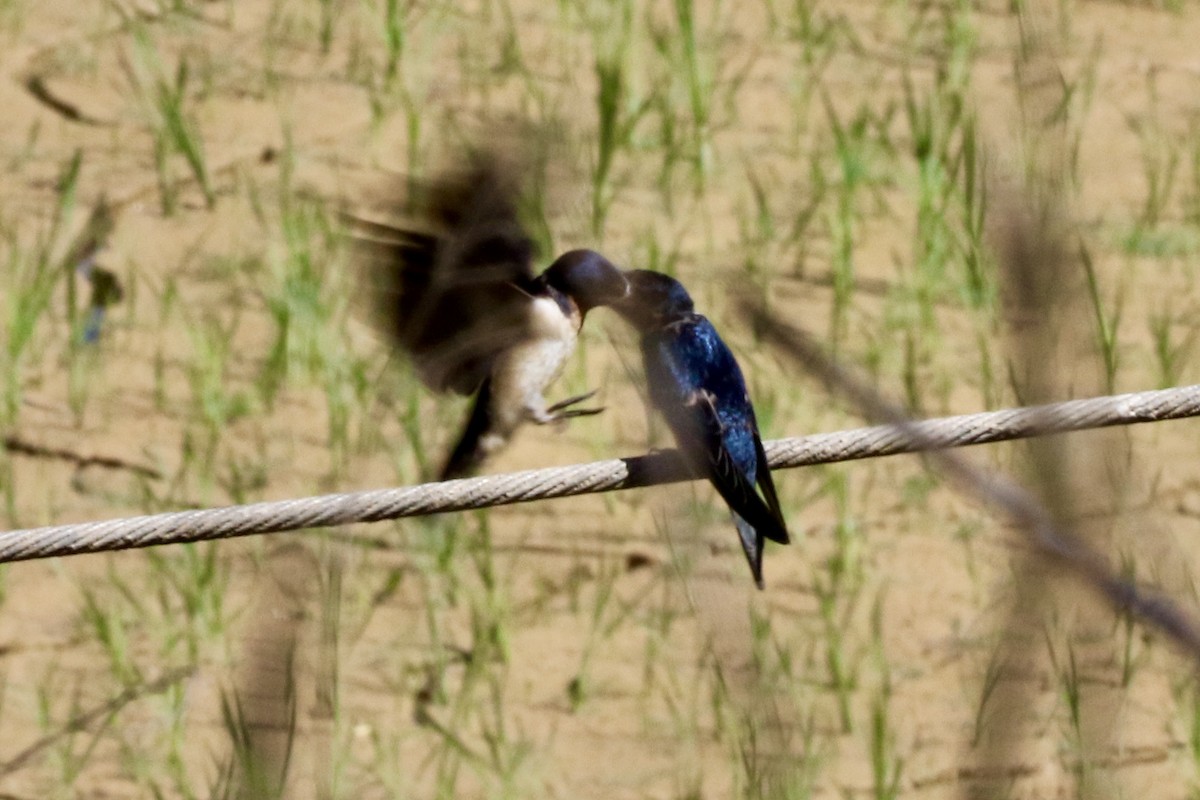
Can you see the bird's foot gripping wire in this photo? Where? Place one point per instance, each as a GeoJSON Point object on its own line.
{"type": "Point", "coordinates": [562, 409]}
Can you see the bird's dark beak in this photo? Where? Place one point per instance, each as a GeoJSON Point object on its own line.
{"type": "Point", "coordinates": [618, 292]}
{"type": "Point", "coordinates": [626, 289]}
{"type": "Point", "coordinates": [631, 305]}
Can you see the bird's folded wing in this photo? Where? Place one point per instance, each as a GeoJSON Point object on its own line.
{"type": "Point", "coordinates": [767, 484]}
{"type": "Point", "coordinates": [731, 482]}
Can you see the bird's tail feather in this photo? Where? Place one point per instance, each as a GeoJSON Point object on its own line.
{"type": "Point", "coordinates": [467, 455]}
{"type": "Point", "coordinates": [752, 545]}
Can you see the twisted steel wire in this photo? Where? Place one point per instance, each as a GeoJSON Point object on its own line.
{"type": "Point", "coordinates": [599, 476]}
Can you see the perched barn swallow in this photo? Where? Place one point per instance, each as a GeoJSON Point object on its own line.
{"type": "Point", "coordinates": [698, 387]}
{"type": "Point", "coordinates": [464, 303]}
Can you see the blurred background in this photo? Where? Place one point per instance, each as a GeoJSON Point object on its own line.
{"type": "Point", "coordinates": [181, 326]}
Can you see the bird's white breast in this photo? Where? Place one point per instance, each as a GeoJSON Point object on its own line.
{"type": "Point", "coordinates": [522, 373]}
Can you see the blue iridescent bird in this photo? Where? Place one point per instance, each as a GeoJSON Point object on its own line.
{"type": "Point", "coordinates": [462, 300]}
{"type": "Point", "coordinates": [695, 382]}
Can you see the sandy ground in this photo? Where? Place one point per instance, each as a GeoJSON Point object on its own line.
{"type": "Point", "coordinates": [908, 644]}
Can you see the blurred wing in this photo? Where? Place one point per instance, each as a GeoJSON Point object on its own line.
{"type": "Point", "coordinates": [455, 298]}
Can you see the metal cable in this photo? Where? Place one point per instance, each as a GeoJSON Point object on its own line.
{"type": "Point", "coordinates": [599, 476]}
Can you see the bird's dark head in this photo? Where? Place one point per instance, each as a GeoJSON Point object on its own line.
{"type": "Point", "coordinates": [654, 300]}
{"type": "Point", "coordinates": [588, 278]}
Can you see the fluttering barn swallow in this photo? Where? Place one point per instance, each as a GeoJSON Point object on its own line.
{"type": "Point", "coordinates": [463, 302]}
{"type": "Point", "coordinates": [82, 256]}
{"type": "Point", "coordinates": [695, 382]}
{"type": "Point", "coordinates": [106, 290]}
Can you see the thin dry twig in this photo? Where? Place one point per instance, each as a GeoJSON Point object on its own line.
{"type": "Point", "coordinates": [1051, 537]}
